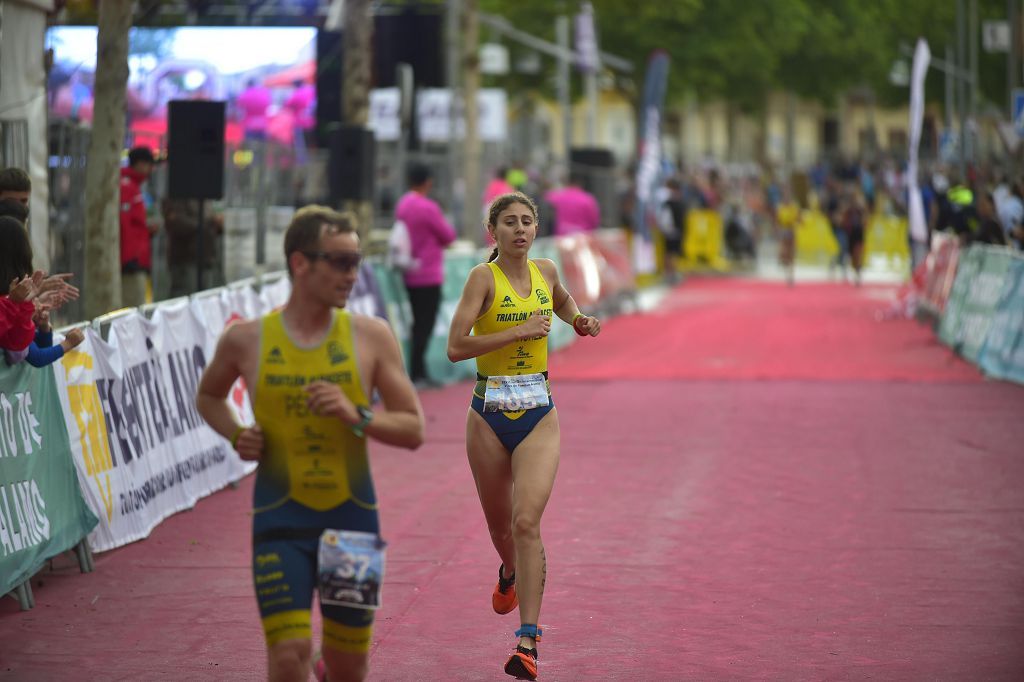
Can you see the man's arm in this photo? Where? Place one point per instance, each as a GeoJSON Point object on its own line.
{"type": "Point", "coordinates": [401, 421]}
{"type": "Point", "coordinates": [215, 385]}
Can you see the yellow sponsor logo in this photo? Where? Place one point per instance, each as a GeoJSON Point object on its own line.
{"type": "Point", "coordinates": [267, 559]}
{"type": "Point", "coordinates": [84, 401]}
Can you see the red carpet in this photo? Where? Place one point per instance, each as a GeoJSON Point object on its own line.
{"type": "Point", "coordinates": [737, 329]}
{"type": "Point", "coordinates": [700, 529]}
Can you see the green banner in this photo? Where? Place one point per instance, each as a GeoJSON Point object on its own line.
{"type": "Point", "coordinates": [42, 512]}
{"type": "Point", "coordinates": [457, 265]}
{"type": "Point", "coordinates": [396, 304]}
{"type": "Point", "coordinates": [1002, 354]}
{"type": "Point", "coordinates": [980, 280]}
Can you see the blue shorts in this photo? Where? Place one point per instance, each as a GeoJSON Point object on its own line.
{"type": "Point", "coordinates": [284, 567]}
{"type": "Point", "coordinates": [511, 428]}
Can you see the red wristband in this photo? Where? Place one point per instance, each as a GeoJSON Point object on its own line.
{"type": "Point", "coordinates": [577, 329]}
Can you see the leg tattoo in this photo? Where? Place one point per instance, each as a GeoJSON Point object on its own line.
{"type": "Point", "coordinates": [543, 569]}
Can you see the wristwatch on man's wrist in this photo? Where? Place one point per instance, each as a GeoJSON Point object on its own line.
{"type": "Point", "coordinates": [366, 416]}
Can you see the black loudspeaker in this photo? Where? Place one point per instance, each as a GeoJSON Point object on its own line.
{"type": "Point", "coordinates": [329, 55]}
{"type": "Point", "coordinates": [195, 149]}
{"type": "Point", "coordinates": [411, 35]}
{"type": "Point", "coordinates": [594, 157]}
{"type": "Point", "coordinates": [350, 165]}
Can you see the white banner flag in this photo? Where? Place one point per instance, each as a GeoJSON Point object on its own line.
{"type": "Point", "coordinates": [141, 448]}
{"type": "Point", "coordinates": [922, 57]}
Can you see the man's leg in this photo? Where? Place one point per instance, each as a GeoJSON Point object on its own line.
{"type": "Point", "coordinates": [288, 661]}
{"type": "Point", "coordinates": [345, 666]}
{"type": "Point", "coordinates": [283, 575]}
{"type": "Point", "coordinates": [133, 289]}
{"type": "Point", "coordinates": [347, 636]}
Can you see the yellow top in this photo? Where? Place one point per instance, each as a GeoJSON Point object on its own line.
{"type": "Point", "coordinates": [313, 460]}
{"type": "Point", "coordinates": [509, 309]}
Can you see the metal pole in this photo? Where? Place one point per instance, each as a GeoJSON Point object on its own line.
{"type": "Point", "coordinates": [562, 37]}
{"type": "Point", "coordinates": [1011, 56]}
{"type": "Point", "coordinates": [972, 101]}
{"type": "Point", "coordinates": [590, 79]}
{"type": "Point", "coordinates": [962, 85]}
{"type": "Point", "coordinates": [199, 249]}
{"type": "Point", "coordinates": [950, 92]}
{"type": "Point", "coordinates": [451, 37]}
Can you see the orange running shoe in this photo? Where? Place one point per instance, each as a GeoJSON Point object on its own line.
{"type": "Point", "coordinates": [504, 598]}
{"type": "Point", "coordinates": [522, 664]}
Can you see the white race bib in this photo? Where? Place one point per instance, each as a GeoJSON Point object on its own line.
{"type": "Point", "coordinates": [515, 393]}
{"type": "Point", "coordinates": [351, 568]}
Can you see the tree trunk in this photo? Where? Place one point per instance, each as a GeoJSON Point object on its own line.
{"type": "Point", "coordinates": [472, 212]}
{"type": "Point", "coordinates": [102, 282]}
{"type": "Point", "coordinates": [355, 94]}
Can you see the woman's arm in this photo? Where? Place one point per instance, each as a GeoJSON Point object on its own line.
{"type": "Point", "coordinates": [563, 303]}
{"type": "Point", "coordinates": [462, 344]}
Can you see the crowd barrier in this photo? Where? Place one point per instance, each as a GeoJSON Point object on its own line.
{"type": "Point", "coordinates": [975, 298]}
{"type": "Point", "coordinates": [99, 448]}
{"type": "Point", "coordinates": [984, 317]}
{"type": "Point", "coordinates": [885, 240]}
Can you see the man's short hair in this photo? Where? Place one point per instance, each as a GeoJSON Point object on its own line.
{"type": "Point", "coordinates": [15, 180]}
{"type": "Point", "coordinates": [309, 224]}
{"type": "Point", "coordinates": [418, 174]}
{"type": "Point", "coordinates": [140, 154]}
{"type": "Point", "coordinates": [15, 209]}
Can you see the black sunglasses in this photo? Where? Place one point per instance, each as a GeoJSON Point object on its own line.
{"type": "Point", "coordinates": [345, 261]}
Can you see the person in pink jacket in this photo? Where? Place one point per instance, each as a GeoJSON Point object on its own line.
{"type": "Point", "coordinates": [576, 209]}
{"type": "Point", "coordinates": [429, 234]}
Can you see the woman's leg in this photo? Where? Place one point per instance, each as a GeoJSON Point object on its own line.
{"type": "Point", "coordinates": [534, 464]}
{"type": "Point", "coordinates": [492, 471]}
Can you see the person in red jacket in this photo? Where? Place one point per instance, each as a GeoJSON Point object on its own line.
{"type": "Point", "coordinates": [136, 256]}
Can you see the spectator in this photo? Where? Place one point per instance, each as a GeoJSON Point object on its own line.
{"type": "Point", "coordinates": [672, 223]}
{"type": "Point", "coordinates": [429, 234]}
{"type": "Point", "coordinates": [16, 290]}
{"type": "Point", "coordinates": [853, 221]}
{"type": "Point", "coordinates": [181, 222]}
{"type": "Point", "coordinates": [24, 293]}
{"type": "Point", "coordinates": [15, 209]}
{"type": "Point", "coordinates": [302, 104]}
{"type": "Point", "coordinates": [576, 209]}
{"type": "Point", "coordinates": [252, 105]}
{"type": "Point", "coordinates": [495, 188]}
{"type": "Point", "coordinates": [15, 190]}
{"type": "Point", "coordinates": [136, 231]}
{"type": "Point", "coordinates": [42, 352]}
{"type": "Point", "coordinates": [15, 184]}
{"type": "Point", "coordinates": [988, 230]}
{"type": "Point", "coordinates": [1010, 209]}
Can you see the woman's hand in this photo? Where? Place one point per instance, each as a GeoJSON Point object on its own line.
{"type": "Point", "coordinates": [23, 289]}
{"type": "Point", "coordinates": [587, 325]}
{"type": "Point", "coordinates": [536, 326]}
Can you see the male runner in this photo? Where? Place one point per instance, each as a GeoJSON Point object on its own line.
{"type": "Point", "coordinates": [311, 369]}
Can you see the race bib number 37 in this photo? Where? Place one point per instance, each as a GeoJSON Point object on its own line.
{"type": "Point", "coordinates": [514, 393]}
{"type": "Point", "coordinates": [351, 568]}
